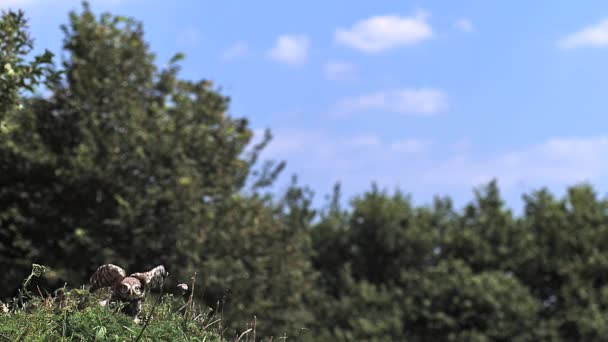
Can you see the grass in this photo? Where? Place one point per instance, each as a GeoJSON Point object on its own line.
{"type": "Point", "coordinates": [75, 315]}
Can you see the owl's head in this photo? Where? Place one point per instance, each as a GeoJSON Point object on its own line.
{"type": "Point", "coordinates": [130, 288]}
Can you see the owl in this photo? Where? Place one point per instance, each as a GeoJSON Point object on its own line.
{"type": "Point", "coordinates": [130, 290]}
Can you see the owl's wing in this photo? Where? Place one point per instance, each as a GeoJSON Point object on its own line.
{"type": "Point", "coordinates": [153, 278]}
{"type": "Point", "coordinates": [106, 275]}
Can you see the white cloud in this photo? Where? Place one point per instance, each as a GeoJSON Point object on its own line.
{"type": "Point", "coordinates": [564, 161]}
{"type": "Point", "coordinates": [110, 2]}
{"type": "Point", "coordinates": [427, 168]}
{"type": "Point", "coordinates": [237, 49]}
{"type": "Point", "coordinates": [461, 145]}
{"type": "Point", "coordinates": [338, 70]}
{"type": "Point", "coordinates": [409, 146]}
{"type": "Point", "coordinates": [320, 158]}
{"type": "Point", "coordinates": [380, 33]}
{"type": "Point", "coordinates": [331, 155]}
{"type": "Point", "coordinates": [189, 37]}
{"type": "Point", "coordinates": [290, 49]}
{"type": "Point", "coordinates": [15, 4]}
{"type": "Point", "coordinates": [591, 36]}
{"type": "Point", "coordinates": [29, 4]}
{"type": "Point", "coordinates": [464, 25]}
{"type": "Point", "coordinates": [421, 101]}
{"type": "Point", "coordinates": [368, 140]}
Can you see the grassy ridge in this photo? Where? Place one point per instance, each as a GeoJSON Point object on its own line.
{"type": "Point", "coordinates": [75, 315]}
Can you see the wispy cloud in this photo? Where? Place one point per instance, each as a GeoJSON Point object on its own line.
{"type": "Point", "coordinates": [591, 36]}
{"type": "Point", "coordinates": [291, 49]}
{"type": "Point", "coordinates": [428, 167]}
{"type": "Point", "coordinates": [561, 161]}
{"type": "Point", "coordinates": [338, 70]}
{"type": "Point", "coordinates": [337, 155]}
{"type": "Point", "coordinates": [15, 4]}
{"type": "Point", "coordinates": [366, 140]}
{"type": "Point", "coordinates": [464, 25]}
{"type": "Point", "coordinates": [237, 49]}
{"type": "Point", "coordinates": [189, 37]}
{"type": "Point", "coordinates": [110, 2]}
{"type": "Point", "coordinates": [421, 101]}
{"type": "Point", "coordinates": [380, 33]}
{"type": "Point", "coordinates": [409, 146]}
{"type": "Point", "coordinates": [355, 160]}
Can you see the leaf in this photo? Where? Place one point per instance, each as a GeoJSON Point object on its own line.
{"type": "Point", "coordinates": [177, 58]}
{"type": "Point", "coordinates": [100, 335]}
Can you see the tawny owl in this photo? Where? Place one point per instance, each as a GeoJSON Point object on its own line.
{"type": "Point", "coordinates": [130, 290]}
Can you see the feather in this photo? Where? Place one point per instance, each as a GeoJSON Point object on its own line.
{"type": "Point", "coordinates": [153, 278]}
{"type": "Point", "coordinates": [106, 275]}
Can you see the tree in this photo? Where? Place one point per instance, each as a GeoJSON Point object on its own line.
{"type": "Point", "coordinates": [128, 164]}
{"type": "Point", "coordinates": [400, 272]}
{"type": "Point", "coordinates": [388, 237]}
{"type": "Point", "coordinates": [123, 162]}
{"type": "Point", "coordinates": [568, 273]}
{"type": "Point", "coordinates": [17, 76]}
{"type": "Point", "coordinates": [487, 237]}
{"type": "Point", "coordinates": [450, 302]}
{"type": "Point", "coordinates": [256, 263]}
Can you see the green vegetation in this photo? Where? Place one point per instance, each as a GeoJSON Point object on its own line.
{"type": "Point", "coordinates": [74, 315]}
{"type": "Point", "coordinates": [50, 321]}
{"type": "Point", "coordinates": [124, 162]}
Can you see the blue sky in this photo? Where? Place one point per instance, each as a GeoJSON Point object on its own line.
{"type": "Point", "coordinates": [433, 97]}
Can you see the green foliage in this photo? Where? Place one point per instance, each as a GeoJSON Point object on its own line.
{"type": "Point", "coordinates": [258, 264]}
{"type": "Point", "coordinates": [391, 271]}
{"type": "Point", "coordinates": [78, 315]}
{"type": "Point", "coordinates": [449, 300]}
{"type": "Point", "coordinates": [17, 74]}
{"type": "Point", "coordinates": [75, 316]}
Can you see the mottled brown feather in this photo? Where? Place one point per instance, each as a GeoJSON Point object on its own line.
{"type": "Point", "coordinates": [153, 278]}
{"type": "Point", "coordinates": [107, 275]}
